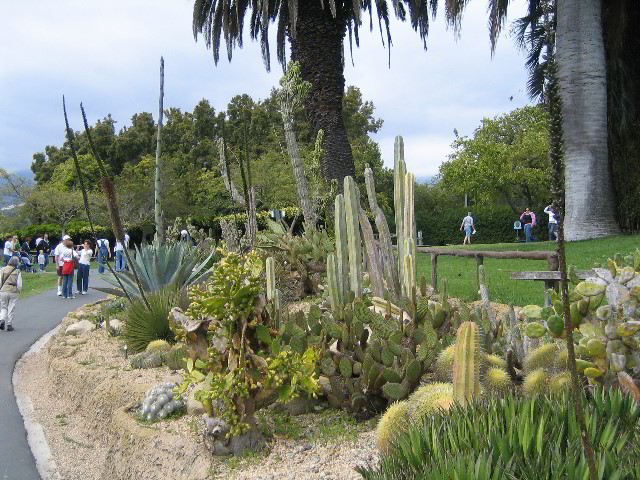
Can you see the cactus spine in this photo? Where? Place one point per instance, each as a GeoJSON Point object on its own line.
{"type": "Point", "coordinates": [467, 359]}
{"type": "Point", "coordinates": [342, 249]}
{"type": "Point", "coordinates": [399, 171]}
{"type": "Point", "coordinates": [352, 210]}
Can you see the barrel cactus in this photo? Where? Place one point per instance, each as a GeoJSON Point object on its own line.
{"type": "Point", "coordinates": [160, 402]}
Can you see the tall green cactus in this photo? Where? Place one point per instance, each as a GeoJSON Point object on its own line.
{"type": "Point", "coordinates": [399, 171]}
{"type": "Point", "coordinates": [342, 249]}
{"type": "Point", "coordinates": [409, 222]}
{"type": "Point", "coordinates": [271, 279]}
{"type": "Point", "coordinates": [352, 210]}
{"type": "Point", "coordinates": [467, 360]}
{"type": "Point", "coordinates": [332, 284]}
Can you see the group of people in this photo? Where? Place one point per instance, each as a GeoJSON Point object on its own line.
{"type": "Point", "coordinates": [13, 248]}
{"type": "Point", "coordinates": [69, 258]}
{"type": "Point", "coordinates": [527, 219]}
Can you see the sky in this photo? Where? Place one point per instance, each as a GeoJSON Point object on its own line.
{"type": "Point", "coordinates": [106, 55]}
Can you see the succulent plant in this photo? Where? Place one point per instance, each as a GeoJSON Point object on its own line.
{"type": "Point", "coordinates": [160, 402]}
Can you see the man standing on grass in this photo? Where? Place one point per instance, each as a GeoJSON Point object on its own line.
{"type": "Point", "coordinates": [553, 223]}
{"type": "Point", "coordinates": [8, 250]}
{"type": "Point", "coordinates": [469, 228]}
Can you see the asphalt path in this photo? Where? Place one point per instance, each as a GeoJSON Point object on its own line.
{"type": "Point", "coordinates": [34, 316]}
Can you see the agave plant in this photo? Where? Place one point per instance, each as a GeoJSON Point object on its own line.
{"type": "Point", "coordinates": [144, 325]}
{"type": "Point", "coordinates": [161, 266]}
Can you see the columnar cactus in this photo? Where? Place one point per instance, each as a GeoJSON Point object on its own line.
{"type": "Point", "coordinates": [399, 172]}
{"type": "Point", "coordinates": [342, 249]}
{"type": "Point", "coordinates": [467, 360]}
{"type": "Point", "coordinates": [409, 223]}
{"type": "Point", "coordinates": [352, 210]}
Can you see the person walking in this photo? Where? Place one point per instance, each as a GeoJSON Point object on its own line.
{"type": "Point", "coordinates": [528, 218]}
{"type": "Point", "coordinates": [67, 255]}
{"type": "Point", "coordinates": [8, 249]}
{"type": "Point", "coordinates": [469, 228]}
{"type": "Point", "coordinates": [102, 254]}
{"type": "Point", "coordinates": [10, 287]}
{"type": "Point", "coordinates": [84, 265]}
{"type": "Point", "coordinates": [119, 252]}
{"type": "Point", "coordinates": [553, 223]}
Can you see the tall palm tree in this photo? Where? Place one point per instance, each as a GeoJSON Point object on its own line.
{"type": "Point", "coordinates": [582, 77]}
{"type": "Point", "coordinates": [316, 30]}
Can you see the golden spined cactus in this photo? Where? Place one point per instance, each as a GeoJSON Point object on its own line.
{"type": "Point", "coordinates": [468, 358]}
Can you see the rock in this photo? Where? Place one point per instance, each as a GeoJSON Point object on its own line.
{"type": "Point", "coordinates": [604, 274]}
{"type": "Point", "coordinates": [298, 406]}
{"type": "Point", "coordinates": [616, 294]}
{"type": "Point", "coordinates": [79, 328]}
{"type": "Point", "coordinates": [194, 407]}
{"type": "Point", "coordinates": [115, 326]}
{"type": "Point", "coordinates": [75, 341]}
{"type": "Point", "coordinates": [324, 384]}
{"type": "Point", "coordinates": [62, 351]}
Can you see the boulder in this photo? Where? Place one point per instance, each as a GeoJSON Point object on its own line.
{"type": "Point", "coordinates": [194, 407]}
{"type": "Point", "coordinates": [79, 328]}
{"type": "Point", "coordinates": [115, 326]}
{"type": "Point", "coordinates": [62, 351]}
{"type": "Point", "coordinates": [75, 341]}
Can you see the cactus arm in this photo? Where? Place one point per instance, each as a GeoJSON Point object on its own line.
{"type": "Point", "coordinates": [271, 278]}
{"type": "Point", "coordinates": [332, 284]}
{"type": "Point", "coordinates": [409, 223]}
{"type": "Point", "coordinates": [466, 363]}
{"type": "Point", "coordinates": [375, 267]}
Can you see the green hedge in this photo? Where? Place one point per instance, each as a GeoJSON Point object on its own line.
{"type": "Point", "coordinates": [493, 225]}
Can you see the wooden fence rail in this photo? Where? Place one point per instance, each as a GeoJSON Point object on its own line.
{"type": "Point", "coordinates": [479, 255]}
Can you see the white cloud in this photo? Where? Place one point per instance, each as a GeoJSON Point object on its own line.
{"type": "Point", "coordinates": [106, 54]}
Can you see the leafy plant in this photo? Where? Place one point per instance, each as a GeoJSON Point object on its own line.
{"type": "Point", "coordinates": [246, 367]}
{"type": "Point", "coordinates": [161, 266]}
{"type": "Point", "coordinates": [144, 325]}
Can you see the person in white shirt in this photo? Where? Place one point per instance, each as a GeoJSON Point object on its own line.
{"type": "Point", "coordinates": [84, 264]}
{"type": "Point", "coordinates": [8, 250]}
{"type": "Point", "coordinates": [121, 263]}
{"type": "Point", "coordinates": [10, 287]}
{"type": "Point", "coordinates": [553, 223]}
{"type": "Point", "coordinates": [57, 252]}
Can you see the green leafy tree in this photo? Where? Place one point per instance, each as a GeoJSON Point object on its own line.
{"type": "Point", "coordinates": [506, 159]}
{"type": "Point", "coordinates": [316, 32]}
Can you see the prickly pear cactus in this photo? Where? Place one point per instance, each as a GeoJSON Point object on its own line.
{"type": "Point", "coordinates": [160, 402]}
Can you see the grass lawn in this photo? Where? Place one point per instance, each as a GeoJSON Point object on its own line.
{"type": "Point", "coordinates": [461, 272]}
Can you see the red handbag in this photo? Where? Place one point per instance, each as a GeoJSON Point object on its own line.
{"type": "Point", "coordinates": [67, 268]}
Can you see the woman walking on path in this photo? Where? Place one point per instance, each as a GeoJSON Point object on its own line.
{"type": "Point", "coordinates": [84, 264]}
{"type": "Point", "coordinates": [67, 255]}
{"type": "Point", "coordinates": [10, 287]}
{"type": "Point", "coordinates": [102, 253]}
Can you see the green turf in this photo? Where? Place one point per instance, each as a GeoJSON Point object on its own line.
{"type": "Point", "coordinates": [461, 272]}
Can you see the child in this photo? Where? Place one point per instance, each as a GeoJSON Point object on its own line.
{"type": "Point", "coordinates": [41, 260]}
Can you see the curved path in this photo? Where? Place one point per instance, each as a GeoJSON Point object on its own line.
{"type": "Point", "coordinates": [34, 316]}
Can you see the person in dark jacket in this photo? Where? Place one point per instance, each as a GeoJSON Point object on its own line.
{"type": "Point", "coordinates": [528, 219]}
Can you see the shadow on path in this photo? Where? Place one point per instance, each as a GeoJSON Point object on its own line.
{"type": "Point", "coordinates": [34, 316]}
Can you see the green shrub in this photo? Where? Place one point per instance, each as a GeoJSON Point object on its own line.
{"type": "Point", "coordinates": [143, 325]}
{"type": "Point", "coordinates": [524, 438]}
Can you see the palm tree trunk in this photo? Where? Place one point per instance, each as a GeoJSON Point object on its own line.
{"type": "Point", "coordinates": [318, 47]}
{"type": "Point", "coordinates": [590, 201]}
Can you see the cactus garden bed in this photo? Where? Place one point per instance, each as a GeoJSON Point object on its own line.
{"type": "Point", "coordinates": [86, 397]}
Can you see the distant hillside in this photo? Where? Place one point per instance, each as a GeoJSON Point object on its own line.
{"type": "Point", "coordinates": [429, 179]}
{"type": "Point", "coordinates": [26, 174]}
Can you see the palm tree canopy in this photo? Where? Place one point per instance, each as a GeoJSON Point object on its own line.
{"type": "Point", "coordinates": [218, 19]}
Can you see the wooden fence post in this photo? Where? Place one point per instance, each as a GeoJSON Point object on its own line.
{"type": "Point", "coordinates": [434, 271]}
{"type": "Point", "coordinates": [479, 261]}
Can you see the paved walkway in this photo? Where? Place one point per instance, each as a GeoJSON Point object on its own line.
{"type": "Point", "coordinates": [35, 316]}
